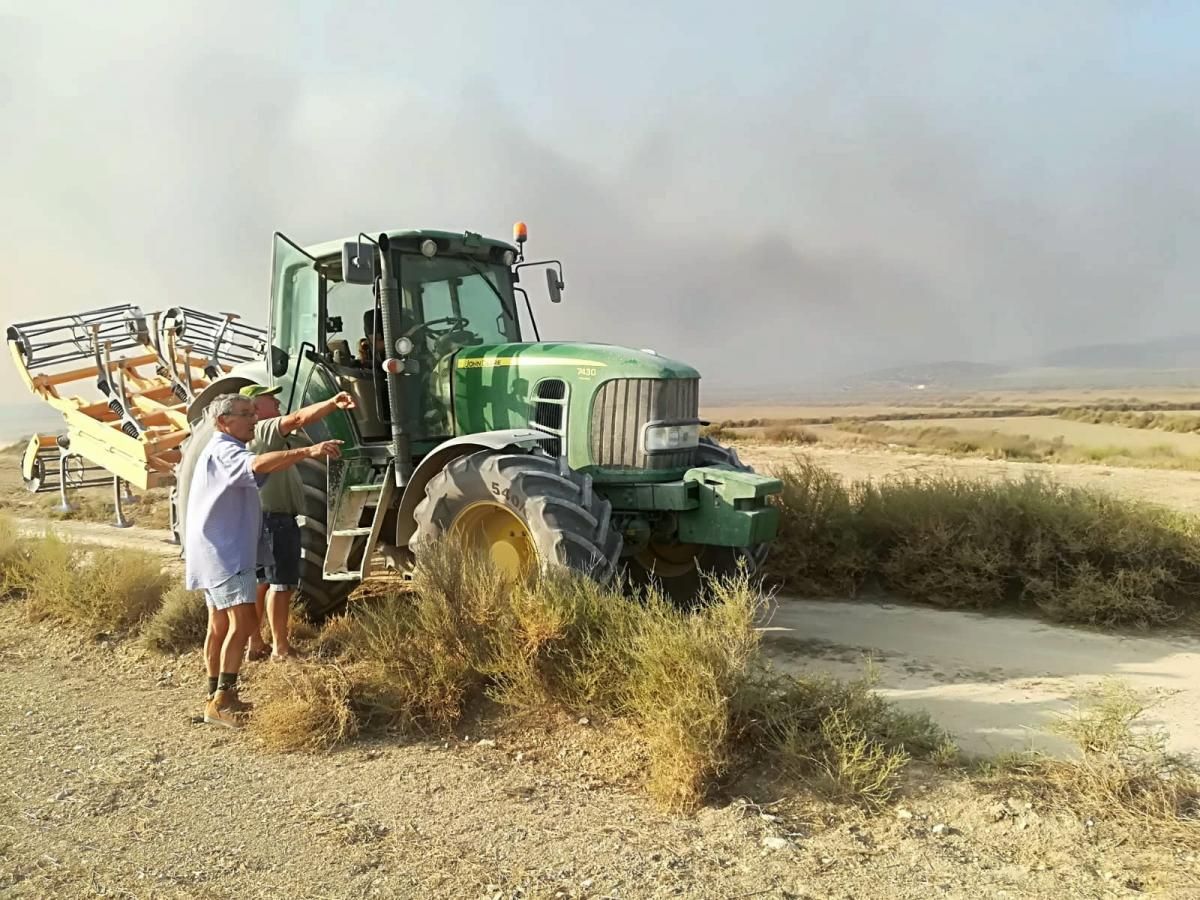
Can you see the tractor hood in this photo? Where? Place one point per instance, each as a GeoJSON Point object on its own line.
{"type": "Point", "coordinates": [593, 401]}
{"type": "Point", "coordinates": [536, 361]}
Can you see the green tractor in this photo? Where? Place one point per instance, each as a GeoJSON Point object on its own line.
{"type": "Point", "coordinates": [550, 454]}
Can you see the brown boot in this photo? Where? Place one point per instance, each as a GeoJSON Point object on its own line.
{"type": "Point", "coordinates": [226, 709]}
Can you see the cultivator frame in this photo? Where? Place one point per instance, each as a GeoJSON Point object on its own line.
{"type": "Point", "coordinates": [146, 370]}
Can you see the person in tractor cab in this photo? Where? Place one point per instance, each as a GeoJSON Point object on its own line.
{"type": "Point", "coordinates": [224, 528]}
{"type": "Point", "coordinates": [372, 331]}
{"type": "Point", "coordinates": [282, 498]}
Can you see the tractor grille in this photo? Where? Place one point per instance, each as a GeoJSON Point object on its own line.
{"type": "Point", "coordinates": [624, 405]}
{"type": "Point", "coordinates": [550, 412]}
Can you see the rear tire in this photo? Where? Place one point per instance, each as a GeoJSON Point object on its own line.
{"type": "Point", "coordinates": [557, 519]}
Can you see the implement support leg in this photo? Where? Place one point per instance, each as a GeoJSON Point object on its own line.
{"type": "Point", "coordinates": [121, 520]}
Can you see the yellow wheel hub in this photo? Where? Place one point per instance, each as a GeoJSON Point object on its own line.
{"type": "Point", "coordinates": [669, 560]}
{"type": "Point", "coordinates": [497, 532]}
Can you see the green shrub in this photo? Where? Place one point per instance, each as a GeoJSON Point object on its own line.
{"type": "Point", "coordinates": [818, 547]}
{"type": "Point", "coordinates": [1073, 554]}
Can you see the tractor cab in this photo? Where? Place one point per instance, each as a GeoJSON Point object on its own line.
{"type": "Point", "coordinates": [327, 324]}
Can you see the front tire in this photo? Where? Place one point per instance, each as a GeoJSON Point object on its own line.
{"type": "Point", "coordinates": [521, 510]}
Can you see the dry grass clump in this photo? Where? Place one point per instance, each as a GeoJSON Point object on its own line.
{"type": "Point", "coordinates": [841, 738]}
{"type": "Point", "coordinates": [789, 434]}
{"type": "Point", "coordinates": [1072, 554]}
{"type": "Point", "coordinates": [1180, 424]}
{"type": "Point", "coordinates": [99, 589]}
{"type": "Point", "coordinates": [1004, 445]}
{"type": "Point", "coordinates": [179, 624]}
{"type": "Point", "coordinates": [11, 548]}
{"type": "Point", "coordinates": [303, 708]}
{"type": "Point", "coordinates": [690, 682]}
{"type": "Point", "coordinates": [1123, 770]}
{"type": "Point", "coordinates": [960, 442]}
{"type": "Point", "coordinates": [686, 669]}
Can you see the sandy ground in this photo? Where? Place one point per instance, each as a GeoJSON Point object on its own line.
{"type": "Point", "coordinates": [995, 682]}
{"type": "Point", "coordinates": [1177, 489]}
{"type": "Point", "coordinates": [111, 789]}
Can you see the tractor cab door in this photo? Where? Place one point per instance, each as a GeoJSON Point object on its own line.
{"type": "Point", "coordinates": [297, 357]}
{"type": "Point", "coordinates": [352, 346]}
{"type": "Point", "coordinates": [293, 320]}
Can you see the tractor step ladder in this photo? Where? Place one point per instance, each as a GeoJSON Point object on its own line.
{"type": "Point", "coordinates": [354, 500]}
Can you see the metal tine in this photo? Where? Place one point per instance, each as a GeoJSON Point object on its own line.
{"type": "Point", "coordinates": [167, 366]}
{"type": "Point", "coordinates": [122, 400]}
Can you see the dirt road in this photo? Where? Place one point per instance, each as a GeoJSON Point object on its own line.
{"type": "Point", "coordinates": [995, 682]}
{"type": "Point", "coordinates": [148, 539]}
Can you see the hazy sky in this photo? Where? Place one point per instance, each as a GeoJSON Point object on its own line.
{"type": "Point", "coordinates": [767, 190]}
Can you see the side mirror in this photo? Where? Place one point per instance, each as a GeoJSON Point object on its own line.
{"type": "Point", "coordinates": [554, 286]}
{"type": "Point", "coordinates": [279, 361]}
{"type": "Point", "coordinates": [358, 263]}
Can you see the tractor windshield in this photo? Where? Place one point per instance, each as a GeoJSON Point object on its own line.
{"type": "Point", "coordinates": [451, 302]}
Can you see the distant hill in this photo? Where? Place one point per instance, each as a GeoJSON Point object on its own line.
{"type": "Point", "coordinates": [1164, 353]}
{"type": "Point", "coordinates": [956, 374]}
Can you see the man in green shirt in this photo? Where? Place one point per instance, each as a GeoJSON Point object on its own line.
{"type": "Point", "coordinates": [282, 498]}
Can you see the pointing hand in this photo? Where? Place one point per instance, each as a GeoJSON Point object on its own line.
{"type": "Point", "coordinates": [325, 450]}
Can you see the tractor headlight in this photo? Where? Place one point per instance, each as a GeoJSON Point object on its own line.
{"type": "Point", "coordinates": [509, 258]}
{"type": "Point", "coordinates": [428, 248]}
{"type": "Point", "coordinates": [664, 438]}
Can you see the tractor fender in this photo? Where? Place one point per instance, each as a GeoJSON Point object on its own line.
{"type": "Point", "coordinates": [438, 458]}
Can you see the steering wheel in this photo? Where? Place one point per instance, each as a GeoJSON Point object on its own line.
{"type": "Point", "coordinates": [449, 324]}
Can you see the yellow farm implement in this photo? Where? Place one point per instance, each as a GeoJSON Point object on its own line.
{"type": "Point", "coordinates": [126, 409]}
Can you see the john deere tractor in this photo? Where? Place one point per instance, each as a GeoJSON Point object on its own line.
{"type": "Point", "coordinates": [536, 453]}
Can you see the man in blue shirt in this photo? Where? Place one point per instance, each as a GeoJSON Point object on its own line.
{"type": "Point", "coordinates": [221, 542]}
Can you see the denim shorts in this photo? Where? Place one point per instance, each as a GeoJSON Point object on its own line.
{"type": "Point", "coordinates": [281, 567]}
{"type": "Point", "coordinates": [233, 591]}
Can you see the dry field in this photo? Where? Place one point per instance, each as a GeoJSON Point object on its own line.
{"type": "Point", "coordinates": [1077, 434]}
{"type": "Point", "coordinates": [912, 402]}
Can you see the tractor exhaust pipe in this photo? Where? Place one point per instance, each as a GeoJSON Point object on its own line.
{"type": "Point", "coordinates": [389, 302]}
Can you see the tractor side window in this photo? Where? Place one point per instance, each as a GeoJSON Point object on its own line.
{"type": "Point", "coordinates": [295, 316]}
{"type": "Point", "coordinates": [349, 315]}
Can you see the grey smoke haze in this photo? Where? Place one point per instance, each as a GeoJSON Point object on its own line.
{"type": "Point", "coordinates": [771, 191]}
